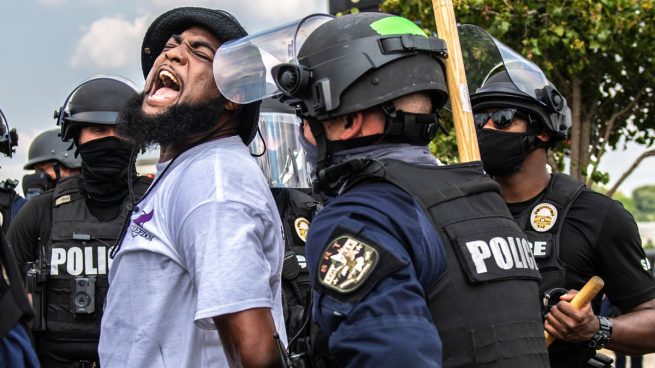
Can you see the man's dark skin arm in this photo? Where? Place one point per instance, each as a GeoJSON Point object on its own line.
{"type": "Point", "coordinates": [247, 338]}
{"type": "Point", "coordinates": [633, 332]}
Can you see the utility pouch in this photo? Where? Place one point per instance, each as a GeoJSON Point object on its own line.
{"type": "Point", "coordinates": [35, 286]}
{"type": "Point", "coordinates": [600, 361]}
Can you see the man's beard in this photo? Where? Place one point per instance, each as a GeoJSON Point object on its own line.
{"type": "Point", "coordinates": [175, 125]}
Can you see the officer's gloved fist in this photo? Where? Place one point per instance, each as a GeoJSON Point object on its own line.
{"type": "Point", "coordinates": [567, 323]}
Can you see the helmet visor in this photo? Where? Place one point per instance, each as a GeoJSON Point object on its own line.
{"type": "Point", "coordinates": [283, 162]}
{"type": "Point", "coordinates": [484, 57]}
{"type": "Point", "coordinates": [242, 68]}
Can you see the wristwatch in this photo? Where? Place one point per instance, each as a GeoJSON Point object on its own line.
{"type": "Point", "coordinates": [602, 337]}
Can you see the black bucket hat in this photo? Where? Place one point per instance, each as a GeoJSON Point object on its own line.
{"type": "Point", "coordinates": [221, 24]}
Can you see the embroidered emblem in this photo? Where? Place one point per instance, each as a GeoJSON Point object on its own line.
{"type": "Point", "coordinates": [136, 228]}
{"type": "Point", "coordinates": [62, 200]}
{"type": "Point", "coordinates": [645, 264]}
{"type": "Point", "coordinates": [346, 263]}
{"type": "Point", "coordinates": [302, 227]}
{"type": "Point", "coordinates": [2, 219]}
{"type": "Point", "coordinates": [543, 217]}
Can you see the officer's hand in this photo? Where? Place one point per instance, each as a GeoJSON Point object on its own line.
{"type": "Point", "coordinates": [567, 323]}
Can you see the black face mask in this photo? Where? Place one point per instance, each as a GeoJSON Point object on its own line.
{"type": "Point", "coordinates": [503, 152]}
{"type": "Point", "coordinates": [105, 165]}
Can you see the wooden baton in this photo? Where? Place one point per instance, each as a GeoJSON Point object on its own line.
{"type": "Point", "coordinates": [467, 140]}
{"type": "Point", "coordinates": [583, 297]}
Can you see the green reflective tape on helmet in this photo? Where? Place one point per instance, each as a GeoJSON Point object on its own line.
{"type": "Point", "coordinates": [396, 25]}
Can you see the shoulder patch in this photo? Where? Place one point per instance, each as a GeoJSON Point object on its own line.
{"type": "Point", "coordinates": [62, 200]}
{"type": "Point", "coordinates": [302, 227]}
{"type": "Point", "coordinates": [346, 263]}
{"type": "Point", "coordinates": [543, 217]}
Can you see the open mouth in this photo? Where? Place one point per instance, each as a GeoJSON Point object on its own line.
{"type": "Point", "coordinates": [166, 86]}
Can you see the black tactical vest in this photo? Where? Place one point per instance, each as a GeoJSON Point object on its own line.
{"type": "Point", "coordinates": [542, 223]}
{"type": "Point", "coordinates": [78, 256]}
{"type": "Point", "coordinates": [297, 208]}
{"type": "Point", "coordinates": [486, 305]}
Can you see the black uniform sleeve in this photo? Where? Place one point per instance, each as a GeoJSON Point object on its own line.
{"type": "Point", "coordinates": [25, 230]}
{"type": "Point", "coordinates": [621, 260]}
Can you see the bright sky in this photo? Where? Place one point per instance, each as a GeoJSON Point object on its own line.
{"type": "Point", "coordinates": [53, 45]}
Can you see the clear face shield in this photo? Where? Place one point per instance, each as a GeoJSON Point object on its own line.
{"type": "Point", "coordinates": [284, 163]}
{"type": "Point", "coordinates": [486, 58]}
{"type": "Point", "coordinates": [242, 68]}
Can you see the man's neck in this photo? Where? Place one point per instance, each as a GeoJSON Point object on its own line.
{"type": "Point", "coordinates": [531, 180]}
{"type": "Point", "coordinates": [169, 151]}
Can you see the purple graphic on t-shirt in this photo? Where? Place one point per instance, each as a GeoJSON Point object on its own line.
{"type": "Point", "coordinates": [137, 227]}
{"type": "Point", "coordinates": [144, 218]}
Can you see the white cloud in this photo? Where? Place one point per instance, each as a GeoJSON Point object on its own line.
{"type": "Point", "coordinates": [111, 42]}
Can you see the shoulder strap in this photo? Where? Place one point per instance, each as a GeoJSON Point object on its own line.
{"type": "Point", "coordinates": [563, 190]}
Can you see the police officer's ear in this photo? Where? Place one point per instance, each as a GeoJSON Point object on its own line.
{"type": "Point", "coordinates": [351, 126]}
{"type": "Point", "coordinates": [231, 106]}
{"type": "Point", "coordinates": [544, 136]}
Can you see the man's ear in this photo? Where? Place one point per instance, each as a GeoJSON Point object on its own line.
{"type": "Point", "coordinates": [231, 106]}
{"type": "Point", "coordinates": [352, 126]}
{"type": "Point", "coordinates": [544, 136]}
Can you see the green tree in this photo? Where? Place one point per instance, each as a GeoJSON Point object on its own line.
{"type": "Point", "coordinates": [644, 200]}
{"type": "Point", "coordinates": [599, 53]}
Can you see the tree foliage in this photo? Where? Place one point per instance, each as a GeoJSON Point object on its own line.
{"type": "Point", "coordinates": [599, 53]}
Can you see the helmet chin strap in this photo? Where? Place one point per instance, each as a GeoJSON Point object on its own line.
{"type": "Point", "coordinates": [400, 127]}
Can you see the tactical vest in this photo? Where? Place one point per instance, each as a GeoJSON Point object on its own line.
{"type": "Point", "coordinates": [7, 198]}
{"type": "Point", "coordinates": [542, 223]}
{"type": "Point", "coordinates": [77, 252]}
{"type": "Point", "coordinates": [486, 305]}
{"type": "Point", "coordinates": [297, 208]}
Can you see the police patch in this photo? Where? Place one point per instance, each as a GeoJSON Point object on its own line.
{"type": "Point", "coordinates": [346, 263]}
{"type": "Point", "coordinates": [63, 199]}
{"type": "Point", "coordinates": [302, 227]}
{"type": "Point", "coordinates": [543, 217]}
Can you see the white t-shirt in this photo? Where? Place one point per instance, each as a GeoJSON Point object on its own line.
{"type": "Point", "coordinates": [205, 241]}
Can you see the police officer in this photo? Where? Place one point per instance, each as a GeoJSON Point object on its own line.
{"type": "Point", "coordinates": [10, 201]}
{"type": "Point", "coordinates": [283, 160]}
{"type": "Point", "coordinates": [51, 159]}
{"type": "Point", "coordinates": [15, 346]}
{"type": "Point", "coordinates": [575, 232]}
{"type": "Point", "coordinates": [411, 264]}
{"type": "Point", "coordinates": [65, 234]}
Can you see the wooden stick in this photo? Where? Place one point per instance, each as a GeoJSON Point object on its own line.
{"type": "Point", "coordinates": [582, 298]}
{"type": "Point", "coordinates": [467, 140]}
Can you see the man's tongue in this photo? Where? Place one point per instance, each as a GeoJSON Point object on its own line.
{"type": "Point", "coordinates": [166, 93]}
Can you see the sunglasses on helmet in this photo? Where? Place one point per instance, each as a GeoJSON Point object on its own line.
{"type": "Point", "coordinates": [501, 119]}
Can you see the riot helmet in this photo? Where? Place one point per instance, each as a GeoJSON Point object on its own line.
{"type": "Point", "coordinates": [354, 63]}
{"type": "Point", "coordinates": [48, 147]}
{"type": "Point", "coordinates": [220, 23]}
{"type": "Point", "coordinates": [98, 100]}
{"type": "Point", "coordinates": [501, 77]}
{"type": "Point", "coordinates": [279, 153]}
{"type": "Point", "coordinates": [8, 137]}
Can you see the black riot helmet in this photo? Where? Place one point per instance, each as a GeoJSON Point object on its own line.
{"type": "Point", "coordinates": [48, 147]}
{"type": "Point", "coordinates": [8, 137]}
{"type": "Point", "coordinates": [362, 60]}
{"type": "Point", "coordinates": [98, 100]}
{"type": "Point", "coordinates": [501, 77]}
{"type": "Point", "coordinates": [221, 24]}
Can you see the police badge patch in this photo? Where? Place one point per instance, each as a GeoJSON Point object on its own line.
{"type": "Point", "coordinates": [346, 263]}
{"type": "Point", "coordinates": [302, 227]}
{"type": "Point", "coordinates": [543, 217]}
